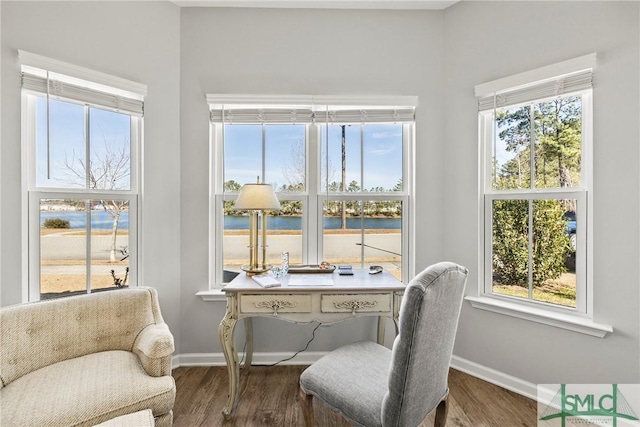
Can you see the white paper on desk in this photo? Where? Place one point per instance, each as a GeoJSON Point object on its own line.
{"type": "Point", "coordinates": [310, 281]}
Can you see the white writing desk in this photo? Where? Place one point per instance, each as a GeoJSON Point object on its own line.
{"type": "Point", "coordinates": [303, 298]}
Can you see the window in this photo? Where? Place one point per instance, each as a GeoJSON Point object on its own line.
{"type": "Point", "coordinates": [536, 140]}
{"type": "Point", "coordinates": [80, 142]}
{"type": "Point", "coordinates": [339, 172]}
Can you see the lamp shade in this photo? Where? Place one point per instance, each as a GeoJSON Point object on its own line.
{"type": "Point", "coordinates": [257, 197]}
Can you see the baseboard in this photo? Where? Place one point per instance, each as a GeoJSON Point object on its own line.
{"type": "Point", "coordinates": [217, 359]}
{"type": "Point", "coordinates": [490, 375]}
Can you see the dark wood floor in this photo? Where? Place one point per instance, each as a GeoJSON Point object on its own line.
{"type": "Point", "coordinates": [269, 397]}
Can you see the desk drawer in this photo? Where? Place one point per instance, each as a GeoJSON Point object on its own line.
{"type": "Point", "coordinates": [356, 303]}
{"type": "Point", "coordinates": [275, 303]}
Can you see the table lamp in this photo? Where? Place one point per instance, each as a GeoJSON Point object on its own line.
{"type": "Point", "coordinates": [257, 198]}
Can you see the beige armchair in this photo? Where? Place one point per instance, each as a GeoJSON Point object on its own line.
{"type": "Point", "coordinates": [83, 360]}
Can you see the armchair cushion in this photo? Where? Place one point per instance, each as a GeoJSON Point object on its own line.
{"type": "Point", "coordinates": [92, 389]}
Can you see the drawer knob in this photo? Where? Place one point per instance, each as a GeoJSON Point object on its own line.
{"type": "Point", "coordinates": [355, 305]}
{"type": "Point", "coordinates": [276, 305]}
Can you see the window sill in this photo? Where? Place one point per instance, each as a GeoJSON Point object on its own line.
{"type": "Point", "coordinates": [546, 317]}
{"type": "Point", "coordinates": [212, 295]}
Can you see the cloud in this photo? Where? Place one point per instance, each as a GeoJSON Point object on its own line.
{"type": "Point", "coordinates": [382, 151]}
{"type": "Point", "coordinates": [386, 134]}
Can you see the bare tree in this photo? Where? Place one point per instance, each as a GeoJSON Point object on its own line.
{"type": "Point", "coordinates": [295, 170]}
{"type": "Point", "coordinates": [109, 169]}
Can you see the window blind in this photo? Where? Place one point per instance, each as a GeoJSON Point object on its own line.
{"type": "Point", "coordinates": [65, 90]}
{"type": "Point", "coordinates": [558, 86]}
{"type": "Point", "coordinates": [373, 115]}
{"type": "Point", "coordinates": [238, 115]}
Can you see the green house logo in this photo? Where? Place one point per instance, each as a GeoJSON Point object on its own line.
{"type": "Point", "coordinates": [592, 405]}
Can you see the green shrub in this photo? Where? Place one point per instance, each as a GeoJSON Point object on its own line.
{"type": "Point", "coordinates": [56, 223]}
{"type": "Point", "coordinates": [511, 241]}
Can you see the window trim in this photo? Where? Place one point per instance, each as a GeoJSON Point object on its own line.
{"type": "Point", "coordinates": [579, 319]}
{"type": "Point", "coordinates": [571, 322]}
{"type": "Point", "coordinates": [531, 77]}
{"type": "Point", "coordinates": [91, 78]}
{"type": "Point", "coordinates": [584, 301]}
{"type": "Point", "coordinates": [31, 195]}
{"type": "Point", "coordinates": [582, 298]}
{"type": "Point", "coordinates": [312, 205]}
{"type": "Point", "coordinates": [34, 236]}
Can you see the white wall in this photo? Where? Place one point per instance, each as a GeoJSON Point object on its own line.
{"type": "Point", "coordinates": [486, 41]}
{"type": "Point", "coordinates": [324, 52]}
{"type": "Point", "coordinates": [138, 41]}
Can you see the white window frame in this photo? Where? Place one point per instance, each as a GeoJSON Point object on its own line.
{"type": "Point", "coordinates": [32, 194]}
{"type": "Point", "coordinates": [404, 197]}
{"type": "Point", "coordinates": [580, 318]}
{"type": "Point", "coordinates": [312, 198]}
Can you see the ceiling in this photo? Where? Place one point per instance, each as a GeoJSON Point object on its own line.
{"type": "Point", "coordinates": [322, 4]}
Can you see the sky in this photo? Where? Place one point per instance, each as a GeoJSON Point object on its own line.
{"type": "Point", "coordinates": [381, 146]}
{"type": "Point", "coordinates": [67, 140]}
{"type": "Point", "coordinates": [378, 165]}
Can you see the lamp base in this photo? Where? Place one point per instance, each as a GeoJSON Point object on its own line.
{"type": "Point", "coordinates": [253, 271]}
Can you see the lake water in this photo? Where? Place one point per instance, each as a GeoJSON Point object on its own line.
{"type": "Point", "coordinates": [100, 220]}
{"type": "Point", "coordinates": [295, 223]}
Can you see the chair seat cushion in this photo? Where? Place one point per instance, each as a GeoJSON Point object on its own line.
{"type": "Point", "coordinates": [85, 391]}
{"type": "Point", "coordinates": [353, 378]}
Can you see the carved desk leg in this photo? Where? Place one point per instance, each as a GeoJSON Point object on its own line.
{"type": "Point", "coordinates": [397, 302]}
{"type": "Point", "coordinates": [248, 332]}
{"type": "Point", "coordinates": [382, 323]}
{"type": "Point", "coordinates": [225, 332]}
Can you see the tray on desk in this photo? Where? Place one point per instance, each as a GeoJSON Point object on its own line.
{"type": "Point", "coordinates": [310, 268]}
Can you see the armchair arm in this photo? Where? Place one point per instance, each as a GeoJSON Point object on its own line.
{"type": "Point", "coordinates": [154, 346]}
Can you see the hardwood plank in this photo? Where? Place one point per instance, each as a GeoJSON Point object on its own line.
{"type": "Point", "coordinates": [486, 404]}
{"type": "Point", "coordinates": [455, 418]}
{"type": "Point", "coordinates": [269, 397]}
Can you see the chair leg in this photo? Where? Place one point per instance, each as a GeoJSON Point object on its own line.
{"type": "Point", "coordinates": [441, 412]}
{"type": "Point", "coordinates": [306, 401]}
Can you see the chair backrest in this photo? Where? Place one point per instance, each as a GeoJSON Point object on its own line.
{"type": "Point", "coordinates": [41, 333]}
{"type": "Point", "coordinates": [421, 353]}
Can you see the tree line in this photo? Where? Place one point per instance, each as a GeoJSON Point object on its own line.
{"type": "Point", "coordinates": [550, 132]}
{"type": "Point", "coordinates": [387, 208]}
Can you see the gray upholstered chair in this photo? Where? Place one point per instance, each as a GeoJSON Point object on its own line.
{"type": "Point", "coordinates": [371, 385]}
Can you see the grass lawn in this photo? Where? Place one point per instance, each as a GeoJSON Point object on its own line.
{"type": "Point", "coordinates": [75, 279]}
{"type": "Point", "coordinates": [80, 232]}
{"type": "Point", "coordinates": [561, 291]}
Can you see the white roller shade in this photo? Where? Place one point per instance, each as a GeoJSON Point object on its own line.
{"type": "Point", "coordinates": [259, 109]}
{"type": "Point", "coordinates": [61, 80]}
{"type": "Point", "coordinates": [383, 115]}
{"type": "Point", "coordinates": [547, 89]}
{"type": "Point", "coordinates": [239, 115]}
{"type": "Point", "coordinates": [58, 89]}
{"type": "Point", "coordinates": [562, 78]}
